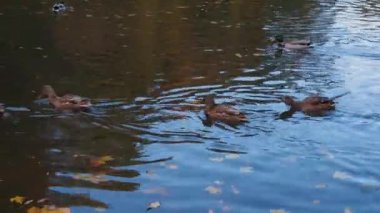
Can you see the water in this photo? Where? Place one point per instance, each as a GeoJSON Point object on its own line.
{"type": "Point", "coordinates": [146, 65]}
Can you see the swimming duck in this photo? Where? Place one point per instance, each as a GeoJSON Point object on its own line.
{"type": "Point", "coordinates": [313, 105]}
{"type": "Point", "coordinates": [66, 102]}
{"type": "Point", "coordinates": [294, 44]}
{"type": "Point", "coordinates": [222, 113]}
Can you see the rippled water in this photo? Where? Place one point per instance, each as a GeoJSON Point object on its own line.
{"type": "Point", "coordinates": [147, 65]}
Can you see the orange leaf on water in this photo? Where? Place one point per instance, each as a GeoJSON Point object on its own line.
{"type": "Point", "coordinates": [48, 209]}
{"type": "Point", "coordinates": [101, 161]}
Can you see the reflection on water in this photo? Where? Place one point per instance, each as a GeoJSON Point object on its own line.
{"type": "Point", "coordinates": [147, 66]}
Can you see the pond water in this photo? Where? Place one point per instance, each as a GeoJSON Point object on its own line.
{"type": "Point", "coordinates": [146, 65]}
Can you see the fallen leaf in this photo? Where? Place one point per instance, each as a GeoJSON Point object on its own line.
{"type": "Point", "coordinates": [17, 199]}
{"type": "Point", "coordinates": [278, 211]}
{"type": "Point", "coordinates": [101, 161]}
{"type": "Point", "coordinates": [48, 209]}
{"type": "Point", "coordinates": [341, 175]}
{"type": "Point", "coordinates": [153, 205]}
{"type": "Point", "coordinates": [246, 169]}
{"type": "Point", "coordinates": [213, 190]}
{"type": "Point", "coordinates": [238, 55]}
{"type": "Point", "coordinates": [216, 159]}
{"type": "Point", "coordinates": [347, 210]}
{"type": "Point", "coordinates": [234, 190]}
{"type": "Point", "coordinates": [232, 156]}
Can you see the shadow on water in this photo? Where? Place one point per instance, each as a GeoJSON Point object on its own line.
{"type": "Point", "coordinates": [146, 66]}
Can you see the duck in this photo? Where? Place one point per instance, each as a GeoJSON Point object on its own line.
{"type": "Point", "coordinates": [65, 102]}
{"type": "Point", "coordinates": [224, 113]}
{"type": "Point", "coordinates": [312, 105]}
{"type": "Point", "coordinates": [293, 44]}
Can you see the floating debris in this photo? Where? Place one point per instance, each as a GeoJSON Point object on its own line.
{"type": "Point", "coordinates": [213, 190]}
{"type": "Point", "coordinates": [341, 175]}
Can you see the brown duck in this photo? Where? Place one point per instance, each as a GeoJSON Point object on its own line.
{"type": "Point", "coordinates": [314, 105]}
{"type": "Point", "coordinates": [293, 44]}
{"type": "Point", "coordinates": [224, 113]}
{"type": "Point", "coordinates": [66, 102]}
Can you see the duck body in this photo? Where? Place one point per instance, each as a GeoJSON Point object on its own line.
{"type": "Point", "coordinates": [293, 44]}
{"type": "Point", "coordinates": [314, 105]}
{"type": "Point", "coordinates": [66, 102]}
{"type": "Point", "coordinates": [224, 113]}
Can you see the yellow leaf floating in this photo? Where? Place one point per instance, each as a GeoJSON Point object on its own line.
{"type": "Point", "coordinates": [101, 161]}
{"type": "Point", "coordinates": [213, 190]}
{"type": "Point", "coordinates": [48, 209]}
{"type": "Point", "coordinates": [17, 199]}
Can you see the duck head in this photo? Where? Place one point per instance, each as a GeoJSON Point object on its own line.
{"type": "Point", "coordinates": [277, 39]}
{"type": "Point", "coordinates": [288, 100]}
{"type": "Point", "coordinates": [209, 101]}
{"type": "Point", "coordinates": [47, 92]}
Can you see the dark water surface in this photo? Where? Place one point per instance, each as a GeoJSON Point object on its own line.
{"type": "Point", "coordinates": [146, 65]}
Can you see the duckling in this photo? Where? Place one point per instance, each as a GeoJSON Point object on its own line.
{"type": "Point", "coordinates": [66, 102]}
{"type": "Point", "coordinates": [222, 113]}
{"type": "Point", "coordinates": [294, 44]}
{"type": "Point", "coordinates": [312, 105]}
